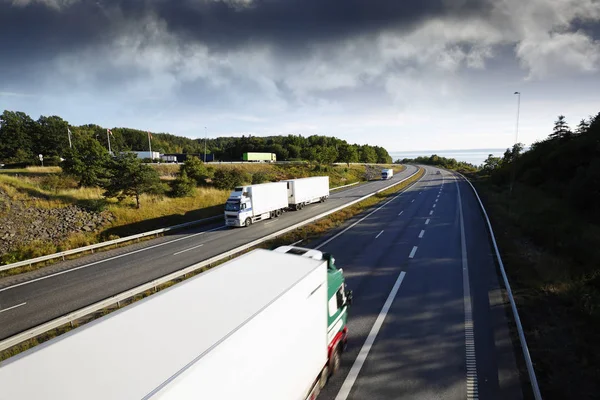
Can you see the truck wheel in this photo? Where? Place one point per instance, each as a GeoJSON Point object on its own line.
{"type": "Point", "coordinates": [334, 363]}
{"type": "Point", "coordinates": [248, 221]}
{"type": "Point", "coordinates": [323, 377]}
{"type": "Point", "coordinates": [278, 213]}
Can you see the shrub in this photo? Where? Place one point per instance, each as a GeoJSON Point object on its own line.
{"type": "Point", "coordinates": [183, 186]}
{"type": "Point", "coordinates": [261, 177]}
{"type": "Point", "coordinates": [230, 178]}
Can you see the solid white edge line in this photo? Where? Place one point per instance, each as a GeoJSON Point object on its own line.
{"type": "Point", "coordinates": [528, 362]}
{"type": "Point", "coordinates": [422, 233]}
{"type": "Point", "coordinates": [470, 356]}
{"type": "Point", "coordinates": [364, 351]}
{"type": "Point", "coordinates": [412, 252]}
{"type": "Point", "coordinates": [427, 221]}
{"type": "Point", "coordinates": [10, 308]}
{"type": "Point", "coordinates": [295, 243]}
{"type": "Point", "coordinates": [107, 259]}
{"type": "Point", "coordinates": [191, 248]}
{"type": "Point", "coordinates": [379, 234]}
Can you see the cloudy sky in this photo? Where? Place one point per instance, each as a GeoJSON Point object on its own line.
{"type": "Point", "coordinates": [407, 75]}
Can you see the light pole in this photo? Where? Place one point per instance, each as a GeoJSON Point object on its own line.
{"type": "Point", "coordinates": [205, 139]}
{"type": "Point", "coordinates": [514, 155]}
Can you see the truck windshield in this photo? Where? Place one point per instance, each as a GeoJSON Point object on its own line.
{"type": "Point", "coordinates": [232, 206]}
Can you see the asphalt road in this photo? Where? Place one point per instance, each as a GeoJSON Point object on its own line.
{"type": "Point", "coordinates": [33, 298]}
{"type": "Point", "coordinates": [428, 321]}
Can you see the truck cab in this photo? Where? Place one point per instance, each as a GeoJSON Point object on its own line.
{"type": "Point", "coordinates": [238, 207]}
{"type": "Point", "coordinates": [339, 298]}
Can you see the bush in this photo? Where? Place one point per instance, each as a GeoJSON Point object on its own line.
{"type": "Point", "coordinates": [261, 177]}
{"type": "Point", "coordinates": [55, 182]}
{"type": "Point", "coordinates": [230, 178]}
{"type": "Point", "coordinates": [183, 186]}
{"type": "Point", "coordinates": [196, 170]}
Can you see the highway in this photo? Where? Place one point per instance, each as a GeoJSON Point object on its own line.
{"type": "Point", "coordinates": [30, 299]}
{"type": "Point", "coordinates": [428, 321]}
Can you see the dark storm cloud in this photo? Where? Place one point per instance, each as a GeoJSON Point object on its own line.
{"type": "Point", "coordinates": [36, 30]}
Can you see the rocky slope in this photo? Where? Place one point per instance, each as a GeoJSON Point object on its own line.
{"type": "Point", "coordinates": [21, 224]}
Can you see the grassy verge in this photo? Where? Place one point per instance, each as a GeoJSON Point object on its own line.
{"type": "Point", "coordinates": [552, 258]}
{"type": "Point", "coordinates": [305, 233]}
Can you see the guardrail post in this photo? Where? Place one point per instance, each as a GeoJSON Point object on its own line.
{"type": "Point", "coordinates": [72, 326]}
{"type": "Point", "coordinates": [63, 257]}
{"type": "Point", "coordinates": [118, 304]}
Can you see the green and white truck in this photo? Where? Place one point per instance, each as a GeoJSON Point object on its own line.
{"type": "Point", "coordinates": [267, 325]}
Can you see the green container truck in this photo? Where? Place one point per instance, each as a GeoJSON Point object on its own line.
{"type": "Point", "coordinates": [260, 157]}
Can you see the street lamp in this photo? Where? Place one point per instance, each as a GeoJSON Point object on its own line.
{"type": "Point", "coordinates": [205, 138]}
{"type": "Point", "coordinates": [518, 110]}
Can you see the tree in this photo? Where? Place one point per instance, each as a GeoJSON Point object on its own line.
{"type": "Point", "coordinates": [583, 127]}
{"type": "Point", "coordinates": [86, 161]}
{"type": "Point", "coordinates": [348, 154]}
{"type": "Point", "coordinates": [368, 155]}
{"type": "Point", "coordinates": [491, 163]}
{"type": "Point", "coordinates": [382, 155]}
{"type": "Point", "coordinates": [129, 177]}
{"type": "Point", "coordinates": [183, 186]}
{"type": "Point", "coordinates": [561, 129]}
{"type": "Point", "coordinates": [196, 170]}
{"type": "Point", "coordinates": [15, 137]}
{"type": "Point", "coordinates": [328, 155]}
{"type": "Point", "coordinates": [51, 137]}
{"type": "Point", "coordinates": [230, 178]}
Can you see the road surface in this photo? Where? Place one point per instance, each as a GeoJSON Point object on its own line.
{"type": "Point", "coordinates": [427, 320]}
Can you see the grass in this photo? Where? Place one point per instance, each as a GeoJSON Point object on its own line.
{"type": "Point", "coordinates": [552, 258]}
{"type": "Point", "coordinates": [306, 233]}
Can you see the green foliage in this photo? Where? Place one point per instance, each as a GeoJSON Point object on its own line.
{"type": "Point", "coordinates": [55, 182]}
{"type": "Point", "coordinates": [196, 170]}
{"type": "Point", "coordinates": [230, 178]}
{"type": "Point", "coordinates": [183, 186]}
{"type": "Point", "coordinates": [22, 139]}
{"type": "Point", "coordinates": [448, 163]}
{"type": "Point", "coordinates": [129, 177]}
{"type": "Point", "coordinates": [566, 165]}
{"type": "Point", "coordinates": [261, 177]}
{"type": "Point", "coordinates": [87, 162]}
{"type": "Point", "coordinates": [491, 163]}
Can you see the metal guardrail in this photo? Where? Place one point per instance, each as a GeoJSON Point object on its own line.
{"type": "Point", "coordinates": [344, 186]}
{"type": "Point", "coordinates": [529, 363]}
{"type": "Point", "coordinates": [92, 247]}
{"type": "Point", "coordinates": [65, 319]}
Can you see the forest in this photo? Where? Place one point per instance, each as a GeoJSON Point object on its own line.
{"type": "Point", "coordinates": [22, 139]}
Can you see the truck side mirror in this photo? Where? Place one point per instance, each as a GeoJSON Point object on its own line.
{"type": "Point", "coordinates": [349, 297]}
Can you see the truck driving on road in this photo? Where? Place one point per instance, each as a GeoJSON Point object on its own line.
{"type": "Point", "coordinates": [305, 191]}
{"type": "Point", "coordinates": [387, 173]}
{"type": "Point", "coordinates": [267, 325]}
{"type": "Point", "coordinates": [248, 204]}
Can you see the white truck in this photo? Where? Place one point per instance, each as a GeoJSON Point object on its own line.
{"type": "Point", "coordinates": [305, 191]}
{"type": "Point", "coordinates": [267, 325]}
{"type": "Point", "coordinates": [387, 173]}
{"type": "Point", "coordinates": [248, 204]}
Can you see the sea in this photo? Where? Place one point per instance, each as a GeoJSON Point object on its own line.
{"type": "Point", "coordinates": [472, 156]}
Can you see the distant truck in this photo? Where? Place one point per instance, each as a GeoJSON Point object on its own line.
{"type": "Point", "coordinates": [252, 203]}
{"type": "Point", "coordinates": [305, 191]}
{"type": "Point", "coordinates": [267, 325]}
{"type": "Point", "coordinates": [387, 173]}
{"type": "Point", "coordinates": [268, 157]}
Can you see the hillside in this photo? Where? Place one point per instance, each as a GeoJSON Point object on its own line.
{"type": "Point", "coordinates": [22, 139]}
{"type": "Point", "coordinates": [548, 229]}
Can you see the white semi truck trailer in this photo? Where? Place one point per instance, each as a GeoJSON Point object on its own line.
{"type": "Point", "coordinates": [267, 325]}
{"type": "Point", "coordinates": [387, 173]}
{"type": "Point", "coordinates": [252, 203]}
{"type": "Point", "coordinates": [304, 191]}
